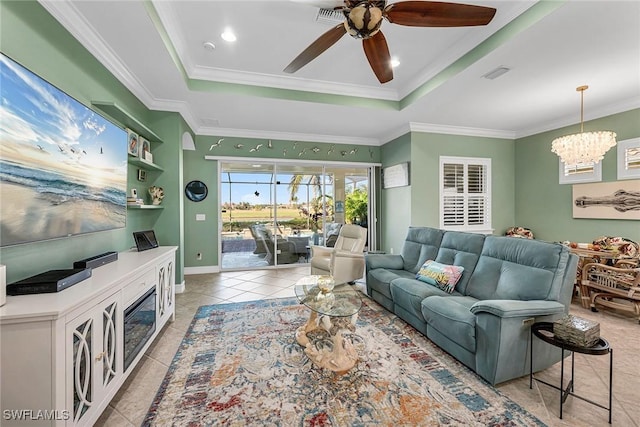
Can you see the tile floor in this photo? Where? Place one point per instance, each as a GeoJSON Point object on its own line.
{"type": "Point", "coordinates": [130, 405]}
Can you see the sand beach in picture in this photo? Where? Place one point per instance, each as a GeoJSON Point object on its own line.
{"type": "Point", "coordinates": [28, 216]}
{"type": "Point", "coordinates": [43, 198]}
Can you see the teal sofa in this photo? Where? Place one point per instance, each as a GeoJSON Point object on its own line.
{"type": "Point", "coordinates": [507, 284]}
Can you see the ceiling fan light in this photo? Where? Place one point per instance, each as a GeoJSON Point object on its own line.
{"type": "Point", "coordinates": [363, 21]}
{"type": "Point", "coordinates": [395, 62]}
{"type": "Point", "coordinates": [228, 35]}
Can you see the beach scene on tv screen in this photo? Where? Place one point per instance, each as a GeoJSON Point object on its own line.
{"type": "Point", "coordinates": [63, 167]}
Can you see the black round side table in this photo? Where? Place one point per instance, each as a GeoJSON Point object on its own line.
{"type": "Point", "coordinates": [544, 331]}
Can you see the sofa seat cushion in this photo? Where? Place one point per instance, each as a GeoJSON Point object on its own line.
{"type": "Point", "coordinates": [451, 315]}
{"type": "Point", "coordinates": [380, 279]}
{"type": "Point", "coordinates": [409, 293]}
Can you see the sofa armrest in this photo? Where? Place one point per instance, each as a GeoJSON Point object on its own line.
{"type": "Point", "coordinates": [321, 251]}
{"type": "Point", "coordinates": [391, 262]}
{"type": "Point", "coordinates": [347, 254]}
{"type": "Point", "coordinates": [518, 308]}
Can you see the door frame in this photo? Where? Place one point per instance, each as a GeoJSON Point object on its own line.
{"type": "Point", "coordinates": [373, 170]}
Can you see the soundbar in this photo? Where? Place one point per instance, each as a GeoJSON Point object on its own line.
{"type": "Point", "coordinates": [96, 261]}
{"type": "Point", "coordinates": [49, 281]}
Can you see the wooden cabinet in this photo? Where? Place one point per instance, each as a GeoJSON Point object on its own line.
{"type": "Point", "coordinates": [63, 352]}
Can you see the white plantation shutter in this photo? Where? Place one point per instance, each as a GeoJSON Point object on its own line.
{"type": "Point", "coordinates": [465, 199]}
{"type": "Point", "coordinates": [632, 158]}
{"type": "Point", "coordinates": [580, 172]}
{"type": "Point", "coordinates": [628, 154]}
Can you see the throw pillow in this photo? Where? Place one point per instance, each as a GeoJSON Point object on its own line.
{"type": "Point", "coordinates": [442, 276]}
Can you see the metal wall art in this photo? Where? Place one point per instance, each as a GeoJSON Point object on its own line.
{"type": "Point", "coordinates": [607, 200]}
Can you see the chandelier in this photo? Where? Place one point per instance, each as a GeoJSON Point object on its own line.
{"type": "Point", "coordinates": [583, 147]}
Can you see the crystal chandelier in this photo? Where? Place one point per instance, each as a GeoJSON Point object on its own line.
{"type": "Point", "coordinates": [583, 147]}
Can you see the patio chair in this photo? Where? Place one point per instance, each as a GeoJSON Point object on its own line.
{"type": "Point", "coordinates": [612, 287]}
{"type": "Point", "coordinates": [286, 250]}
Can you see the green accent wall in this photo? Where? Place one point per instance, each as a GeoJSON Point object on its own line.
{"type": "Point", "coordinates": [426, 149]}
{"type": "Point", "coordinates": [395, 209]}
{"type": "Point", "coordinates": [32, 37]}
{"type": "Point", "coordinates": [418, 203]}
{"type": "Point", "coordinates": [202, 236]}
{"type": "Point", "coordinates": [545, 206]}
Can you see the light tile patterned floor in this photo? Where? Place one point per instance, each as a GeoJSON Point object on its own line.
{"type": "Point", "coordinates": [130, 405]}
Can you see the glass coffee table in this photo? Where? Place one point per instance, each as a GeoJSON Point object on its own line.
{"type": "Point", "coordinates": [334, 313]}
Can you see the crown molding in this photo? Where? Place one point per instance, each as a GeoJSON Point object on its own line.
{"type": "Point", "coordinates": [287, 136]}
{"type": "Point", "coordinates": [594, 113]}
{"type": "Point", "coordinates": [71, 19]}
{"type": "Point", "coordinates": [461, 130]}
{"type": "Point", "coordinates": [290, 83]}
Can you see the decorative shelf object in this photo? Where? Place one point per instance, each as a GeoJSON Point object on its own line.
{"type": "Point", "coordinates": [145, 164]}
{"type": "Point", "coordinates": [122, 116]}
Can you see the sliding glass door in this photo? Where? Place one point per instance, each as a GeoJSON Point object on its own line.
{"type": "Point", "coordinates": [271, 213]}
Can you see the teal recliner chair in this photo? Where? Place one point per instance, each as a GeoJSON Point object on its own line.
{"type": "Point", "coordinates": [485, 322]}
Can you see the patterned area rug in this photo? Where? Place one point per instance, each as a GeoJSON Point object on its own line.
{"type": "Point", "coordinates": [239, 364]}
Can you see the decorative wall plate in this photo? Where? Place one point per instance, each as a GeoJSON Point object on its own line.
{"type": "Point", "coordinates": [196, 191]}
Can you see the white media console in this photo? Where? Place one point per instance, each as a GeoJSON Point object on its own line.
{"type": "Point", "coordinates": [62, 355]}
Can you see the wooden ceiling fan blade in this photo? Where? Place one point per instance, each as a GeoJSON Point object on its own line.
{"type": "Point", "coordinates": [321, 44]}
{"type": "Point", "coordinates": [377, 52]}
{"type": "Point", "coordinates": [438, 14]}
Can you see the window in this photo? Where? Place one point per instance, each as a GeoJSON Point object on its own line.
{"type": "Point", "coordinates": [629, 159]}
{"type": "Point", "coordinates": [465, 194]}
{"type": "Point", "coordinates": [581, 172]}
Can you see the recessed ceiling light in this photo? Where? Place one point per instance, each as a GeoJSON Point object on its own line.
{"type": "Point", "coordinates": [209, 45]}
{"type": "Point", "coordinates": [256, 166]}
{"type": "Point", "coordinates": [395, 62]}
{"type": "Point", "coordinates": [494, 74]}
{"type": "Point", "coordinates": [228, 35]}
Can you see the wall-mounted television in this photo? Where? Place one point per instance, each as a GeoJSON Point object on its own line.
{"type": "Point", "coordinates": [63, 167]}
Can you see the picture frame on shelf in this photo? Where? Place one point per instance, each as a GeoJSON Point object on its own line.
{"type": "Point", "coordinates": [144, 147]}
{"type": "Point", "coordinates": [148, 156]}
{"type": "Point", "coordinates": [132, 142]}
{"type": "Point", "coordinates": [142, 175]}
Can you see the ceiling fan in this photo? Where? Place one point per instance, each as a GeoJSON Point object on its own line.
{"type": "Point", "coordinates": [363, 19]}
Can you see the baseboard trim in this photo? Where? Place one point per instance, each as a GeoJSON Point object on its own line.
{"type": "Point", "coordinates": [180, 287]}
{"type": "Point", "coordinates": [202, 270]}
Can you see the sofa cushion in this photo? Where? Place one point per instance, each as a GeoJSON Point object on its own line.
{"type": "Point", "coordinates": [421, 244]}
{"type": "Point", "coordinates": [409, 293]}
{"type": "Point", "coordinates": [380, 279]}
{"type": "Point", "coordinates": [451, 316]}
{"type": "Point", "coordinates": [442, 276]}
{"type": "Point", "coordinates": [462, 249]}
{"type": "Point", "coordinates": [517, 269]}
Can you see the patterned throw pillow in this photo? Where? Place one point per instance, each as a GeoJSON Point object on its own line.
{"type": "Point", "coordinates": [442, 276]}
